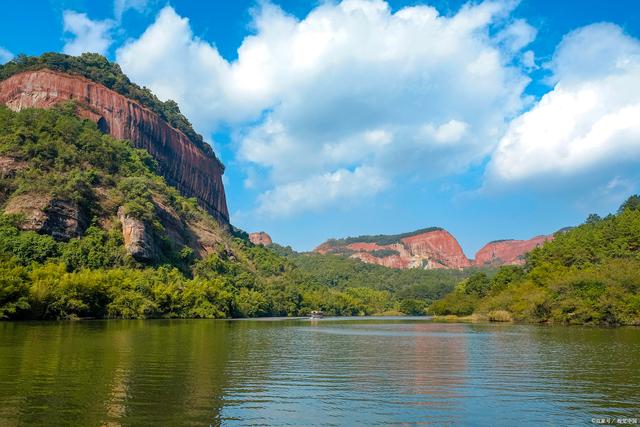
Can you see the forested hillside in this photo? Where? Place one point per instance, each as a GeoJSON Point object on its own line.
{"type": "Point", "coordinates": [587, 275]}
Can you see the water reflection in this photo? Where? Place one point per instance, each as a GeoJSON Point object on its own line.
{"type": "Point", "coordinates": [408, 371]}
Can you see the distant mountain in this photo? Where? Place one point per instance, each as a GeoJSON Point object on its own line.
{"type": "Point", "coordinates": [507, 252]}
{"type": "Point", "coordinates": [428, 248]}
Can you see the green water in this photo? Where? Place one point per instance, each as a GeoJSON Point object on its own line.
{"type": "Point", "coordinates": [298, 372]}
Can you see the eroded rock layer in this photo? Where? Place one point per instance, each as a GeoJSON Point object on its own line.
{"type": "Point", "coordinates": [429, 249]}
{"type": "Point", "coordinates": [511, 252]}
{"type": "Point", "coordinates": [260, 238]}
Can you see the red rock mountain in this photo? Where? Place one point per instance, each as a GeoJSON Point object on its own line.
{"type": "Point", "coordinates": [428, 249]}
{"type": "Point", "coordinates": [501, 252]}
{"type": "Point", "coordinates": [260, 238]}
{"type": "Point", "coordinates": [183, 164]}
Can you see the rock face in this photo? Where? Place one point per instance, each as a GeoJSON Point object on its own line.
{"type": "Point", "coordinates": [60, 219]}
{"type": "Point", "coordinates": [260, 238]}
{"type": "Point", "coordinates": [512, 252]}
{"type": "Point", "coordinates": [184, 165]}
{"type": "Point", "coordinates": [138, 238]}
{"type": "Point", "coordinates": [440, 248]}
{"type": "Point", "coordinates": [427, 249]}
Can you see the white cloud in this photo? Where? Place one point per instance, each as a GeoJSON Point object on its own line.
{"type": "Point", "coordinates": [86, 35]}
{"type": "Point", "coordinates": [450, 132]}
{"type": "Point", "coordinates": [5, 55]}
{"type": "Point", "coordinates": [351, 87]}
{"type": "Point", "coordinates": [588, 124]}
{"type": "Point", "coordinates": [528, 60]}
{"type": "Point", "coordinates": [121, 6]}
{"type": "Point", "coordinates": [517, 35]}
{"type": "Point", "coordinates": [314, 193]}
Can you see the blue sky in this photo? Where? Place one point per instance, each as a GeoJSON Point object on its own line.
{"type": "Point", "coordinates": [496, 119]}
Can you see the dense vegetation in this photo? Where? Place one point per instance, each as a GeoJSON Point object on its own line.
{"type": "Point", "coordinates": [53, 154]}
{"type": "Point", "coordinates": [383, 253]}
{"type": "Point", "coordinates": [414, 288]}
{"type": "Point", "coordinates": [380, 239]}
{"type": "Point", "coordinates": [97, 68]}
{"type": "Point", "coordinates": [587, 275]}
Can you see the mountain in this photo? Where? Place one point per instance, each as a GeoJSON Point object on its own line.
{"type": "Point", "coordinates": [507, 252]}
{"type": "Point", "coordinates": [429, 248]}
{"type": "Point", "coordinates": [187, 163]}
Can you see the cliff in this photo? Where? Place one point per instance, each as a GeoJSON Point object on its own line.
{"type": "Point", "coordinates": [260, 238]}
{"type": "Point", "coordinates": [70, 182]}
{"type": "Point", "coordinates": [428, 249]}
{"type": "Point", "coordinates": [501, 252]}
{"type": "Point", "coordinates": [194, 172]}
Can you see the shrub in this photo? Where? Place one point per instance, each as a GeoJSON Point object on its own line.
{"type": "Point", "coordinates": [499, 316]}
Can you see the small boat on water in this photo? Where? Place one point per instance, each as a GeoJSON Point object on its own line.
{"type": "Point", "coordinates": [316, 314]}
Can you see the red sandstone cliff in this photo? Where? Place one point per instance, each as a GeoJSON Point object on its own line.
{"type": "Point", "coordinates": [428, 249]}
{"type": "Point", "coordinates": [439, 247]}
{"type": "Point", "coordinates": [184, 165]}
{"type": "Point", "coordinates": [511, 252]}
{"type": "Point", "coordinates": [260, 238]}
{"type": "Point", "coordinates": [435, 248]}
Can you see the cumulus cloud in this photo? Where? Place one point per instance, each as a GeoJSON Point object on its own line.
{"type": "Point", "coordinates": [5, 55]}
{"type": "Point", "coordinates": [86, 35]}
{"type": "Point", "coordinates": [351, 89]}
{"type": "Point", "coordinates": [314, 193]}
{"type": "Point", "coordinates": [587, 126]}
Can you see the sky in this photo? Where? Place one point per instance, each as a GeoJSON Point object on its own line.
{"type": "Point", "coordinates": [492, 119]}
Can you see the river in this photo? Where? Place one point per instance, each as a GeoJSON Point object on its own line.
{"type": "Point", "coordinates": [345, 372]}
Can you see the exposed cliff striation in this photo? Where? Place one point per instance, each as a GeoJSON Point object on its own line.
{"type": "Point", "coordinates": [138, 238]}
{"type": "Point", "coordinates": [512, 252]}
{"type": "Point", "coordinates": [61, 219]}
{"type": "Point", "coordinates": [182, 163]}
{"type": "Point", "coordinates": [430, 248]}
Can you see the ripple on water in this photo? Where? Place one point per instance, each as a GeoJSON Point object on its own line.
{"type": "Point", "coordinates": [373, 372]}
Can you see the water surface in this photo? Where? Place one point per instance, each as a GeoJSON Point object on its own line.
{"type": "Point", "coordinates": [298, 372]}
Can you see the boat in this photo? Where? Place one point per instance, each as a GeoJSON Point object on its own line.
{"type": "Point", "coordinates": [317, 314]}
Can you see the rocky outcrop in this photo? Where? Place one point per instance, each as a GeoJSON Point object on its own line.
{"type": "Point", "coordinates": [62, 219]}
{"type": "Point", "coordinates": [9, 166]}
{"type": "Point", "coordinates": [183, 164]}
{"type": "Point", "coordinates": [512, 252]}
{"type": "Point", "coordinates": [260, 238]}
{"type": "Point", "coordinates": [428, 249]}
{"type": "Point", "coordinates": [439, 248]}
{"type": "Point", "coordinates": [199, 233]}
{"type": "Point", "coordinates": [138, 237]}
